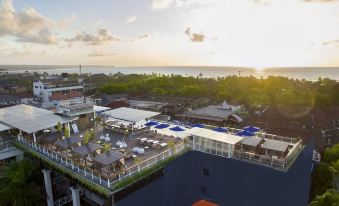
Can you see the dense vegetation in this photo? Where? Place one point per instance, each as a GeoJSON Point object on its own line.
{"type": "Point", "coordinates": [20, 184]}
{"type": "Point", "coordinates": [245, 90]}
{"type": "Point", "coordinates": [322, 179]}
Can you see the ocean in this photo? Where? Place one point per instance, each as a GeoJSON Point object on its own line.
{"type": "Point", "coordinates": [308, 73]}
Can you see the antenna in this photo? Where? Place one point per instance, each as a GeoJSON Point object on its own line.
{"type": "Point", "coordinates": [80, 69]}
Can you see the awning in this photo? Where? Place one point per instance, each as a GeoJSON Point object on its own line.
{"type": "Point", "coordinates": [213, 135]}
{"type": "Point", "coordinates": [130, 115]}
{"type": "Point", "coordinates": [275, 145]}
{"type": "Point", "coordinates": [4, 127]}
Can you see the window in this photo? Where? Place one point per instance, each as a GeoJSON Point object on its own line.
{"type": "Point", "coordinates": [205, 172]}
{"type": "Point", "coordinates": [203, 190]}
{"type": "Point", "coordinates": [36, 87]}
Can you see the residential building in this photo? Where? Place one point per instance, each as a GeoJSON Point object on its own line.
{"type": "Point", "coordinates": [53, 93]}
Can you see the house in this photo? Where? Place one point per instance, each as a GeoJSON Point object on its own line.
{"type": "Point", "coordinates": [212, 114]}
{"type": "Point", "coordinates": [107, 98]}
{"type": "Point", "coordinates": [6, 87]}
{"type": "Point", "coordinates": [58, 90]}
{"type": "Point", "coordinates": [25, 97]}
{"type": "Point", "coordinates": [73, 97]}
{"type": "Point", "coordinates": [6, 99]}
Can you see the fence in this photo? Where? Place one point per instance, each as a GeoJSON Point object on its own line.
{"type": "Point", "coordinates": [260, 159]}
{"type": "Point", "coordinates": [88, 173]}
{"type": "Point", "coordinates": [6, 144]}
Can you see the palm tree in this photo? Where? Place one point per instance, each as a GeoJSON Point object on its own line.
{"type": "Point", "coordinates": [18, 184]}
{"type": "Point", "coordinates": [329, 198]}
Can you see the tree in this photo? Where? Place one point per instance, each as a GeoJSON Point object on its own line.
{"type": "Point", "coordinates": [91, 135]}
{"type": "Point", "coordinates": [59, 127]}
{"type": "Point", "coordinates": [329, 198]}
{"type": "Point", "coordinates": [106, 147]}
{"type": "Point", "coordinates": [86, 137]}
{"type": "Point", "coordinates": [67, 132]}
{"type": "Point", "coordinates": [19, 184]}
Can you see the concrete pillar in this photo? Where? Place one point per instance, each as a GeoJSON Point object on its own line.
{"type": "Point", "coordinates": [69, 129]}
{"type": "Point", "coordinates": [48, 186]}
{"type": "Point", "coordinates": [34, 137]}
{"type": "Point", "coordinates": [109, 201]}
{"type": "Point", "coordinates": [75, 195]}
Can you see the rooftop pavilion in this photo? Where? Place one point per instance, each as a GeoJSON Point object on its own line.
{"type": "Point", "coordinates": [130, 115]}
{"type": "Point", "coordinates": [28, 119]}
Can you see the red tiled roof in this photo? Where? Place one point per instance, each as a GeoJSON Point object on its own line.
{"type": "Point", "coordinates": [204, 203]}
{"type": "Point", "coordinates": [24, 95]}
{"type": "Point", "coordinates": [117, 104]}
{"type": "Point", "coordinates": [70, 95]}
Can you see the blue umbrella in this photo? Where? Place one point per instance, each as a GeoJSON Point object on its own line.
{"type": "Point", "coordinates": [245, 133]}
{"type": "Point", "coordinates": [220, 129]}
{"type": "Point", "coordinates": [198, 125]}
{"type": "Point", "coordinates": [161, 126]}
{"type": "Point", "coordinates": [251, 129]}
{"type": "Point", "coordinates": [151, 123]}
{"type": "Point", "coordinates": [177, 129]}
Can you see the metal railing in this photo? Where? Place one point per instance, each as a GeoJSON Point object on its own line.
{"type": "Point", "coordinates": [260, 159]}
{"type": "Point", "coordinates": [150, 162]}
{"type": "Point", "coordinates": [88, 173]}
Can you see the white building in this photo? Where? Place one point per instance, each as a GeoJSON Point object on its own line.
{"type": "Point", "coordinates": [212, 142]}
{"type": "Point", "coordinates": [45, 89]}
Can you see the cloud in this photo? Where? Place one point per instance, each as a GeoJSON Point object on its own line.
{"type": "Point", "coordinates": [144, 36]}
{"type": "Point", "coordinates": [101, 37]}
{"type": "Point", "coordinates": [331, 42]}
{"type": "Point", "coordinates": [161, 4]}
{"type": "Point", "coordinates": [28, 25]}
{"type": "Point", "coordinates": [194, 37]}
{"type": "Point", "coordinates": [100, 53]}
{"type": "Point", "coordinates": [130, 19]}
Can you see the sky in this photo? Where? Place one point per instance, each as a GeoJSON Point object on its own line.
{"type": "Point", "coordinates": [251, 33]}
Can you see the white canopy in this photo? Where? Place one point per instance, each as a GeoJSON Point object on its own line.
{"type": "Point", "coordinates": [4, 127]}
{"type": "Point", "coordinates": [28, 118]}
{"type": "Point", "coordinates": [213, 135]}
{"type": "Point", "coordinates": [130, 115]}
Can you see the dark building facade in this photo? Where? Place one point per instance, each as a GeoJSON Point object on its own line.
{"type": "Point", "coordinates": [227, 182]}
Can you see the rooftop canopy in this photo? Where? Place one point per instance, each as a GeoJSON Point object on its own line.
{"type": "Point", "coordinates": [66, 143]}
{"type": "Point", "coordinates": [220, 129]}
{"type": "Point", "coordinates": [275, 145]}
{"type": "Point", "coordinates": [245, 133]}
{"type": "Point", "coordinates": [251, 129]}
{"type": "Point", "coordinates": [108, 158]}
{"type": "Point", "coordinates": [177, 129]}
{"type": "Point", "coordinates": [162, 126]}
{"type": "Point", "coordinates": [151, 123]}
{"type": "Point", "coordinates": [218, 136]}
{"type": "Point", "coordinates": [4, 127]}
{"type": "Point", "coordinates": [251, 141]}
{"type": "Point", "coordinates": [28, 118]}
{"type": "Point", "coordinates": [86, 149]}
{"type": "Point", "coordinates": [198, 125]}
{"type": "Point", "coordinates": [130, 115]}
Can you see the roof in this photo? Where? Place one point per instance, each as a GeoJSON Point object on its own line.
{"type": "Point", "coordinates": [218, 111]}
{"type": "Point", "coordinates": [6, 84]}
{"type": "Point", "coordinates": [28, 118]}
{"type": "Point", "coordinates": [275, 145]}
{"type": "Point", "coordinates": [8, 98]}
{"type": "Point", "coordinates": [108, 158]}
{"type": "Point", "coordinates": [4, 127]}
{"type": "Point", "coordinates": [59, 96]}
{"type": "Point", "coordinates": [117, 104]}
{"type": "Point", "coordinates": [204, 203]}
{"type": "Point", "coordinates": [68, 142]}
{"type": "Point", "coordinates": [251, 141]}
{"type": "Point", "coordinates": [22, 95]}
{"type": "Point", "coordinates": [213, 135]}
{"type": "Point", "coordinates": [99, 109]}
{"type": "Point", "coordinates": [86, 149]}
{"type": "Point", "coordinates": [130, 115]}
